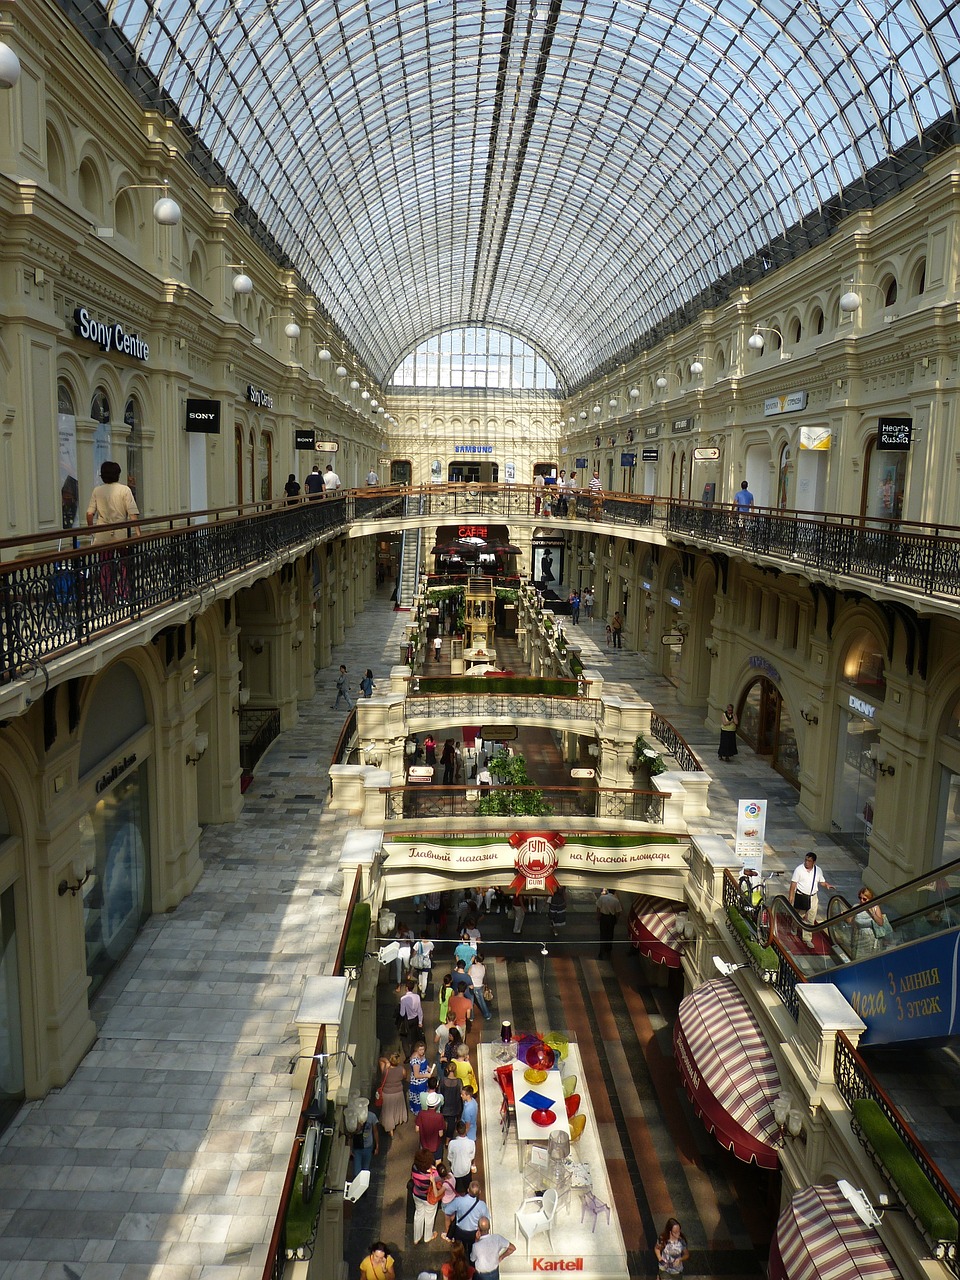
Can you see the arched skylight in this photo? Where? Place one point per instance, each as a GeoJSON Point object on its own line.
{"type": "Point", "coordinates": [475, 358]}
{"type": "Point", "coordinates": [577, 171]}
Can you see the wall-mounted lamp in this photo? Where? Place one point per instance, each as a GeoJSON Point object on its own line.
{"type": "Point", "coordinates": [386, 921]}
{"type": "Point", "coordinates": [200, 747]}
{"type": "Point", "coordinates": [81, 874]}
{"type": "Point", "coordinates": [756, 341]}
{"type": "Point", "coordinates": [593, 750]}
{"type": "Point", "coordinates": [725, 968]}
{"type": "Point", "coordinates": [850, 299]}
{"type": "Point", "coordinates": [297, 640]}
{"type": "Point", "coordinates": [9, 67]}
{"type": "Point", "coordinates": [880, 758]}
{"type": "Point", "coordinates": [242, 283]}
{"type": "Point", "coordinates": [256, 644]}
{"type": "Point", "coordinates": [373, 755]}
{"type": "Point", "coordinates": [243, 697]}
{"type": "Point", "coordinates": [352, 972]}
{"type": "Point", "coordinates": [696, 366]}
{"type": "Point", "coordinates": [661, 382]}
{"type": "Point", "coordinates": [166, 211]}
{"type": "Point", "coordinates": [789, 1117]}
{"type": "Point", "coordinates": [809, 713]}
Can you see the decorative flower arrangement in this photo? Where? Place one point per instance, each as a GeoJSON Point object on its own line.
{"type": "Point", "coordinates": [645, 757]}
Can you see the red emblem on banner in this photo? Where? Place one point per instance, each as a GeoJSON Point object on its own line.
{"type": "Point", "coordinates": [536, 861]}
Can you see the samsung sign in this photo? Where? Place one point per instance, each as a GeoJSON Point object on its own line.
{"type": "Point", "coordinates": [109, 337]}
{"type": "Point", "coordinates": [203, 415]}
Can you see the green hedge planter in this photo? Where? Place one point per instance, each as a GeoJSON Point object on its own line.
{"type": "Point", "coordinates": [765, 957]}
{"type": "Point", "coordinates": [910, 1180]}
{"type": "Point", "coordinates": [357, 935]}
{"type": "Point", "coordinates": [529, 685]}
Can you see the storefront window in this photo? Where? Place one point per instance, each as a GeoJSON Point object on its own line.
{"type": "Point", "coordinates": [856, 781]}
{"type": "Point", "coordinates": [946, 841]}
{"type": "Point", "coordinates": [784, 475]}
{"type": "Point", "coordinates": [11, 1044]}
{"type": "Point", "coordinates": [115, 845]}
{"type": "Point", "coordinates": [67, 436]}
{"type": "Point", "coordinates": [100, 413]}
{"type": "Point", "coordinates": [885, 477]}
{"type": "Point", "coordinates": [133, 422]}
{"type": "Point", "coordinates": [265, 466]}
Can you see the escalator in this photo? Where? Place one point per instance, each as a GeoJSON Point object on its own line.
{"type": "Point", "coordinates": [898, 966]}
{"type": "Point", "coordinates": [408, 579]}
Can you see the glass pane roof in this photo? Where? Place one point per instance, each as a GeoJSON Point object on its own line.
{"type": "Point", "coordinates": [569, 170]}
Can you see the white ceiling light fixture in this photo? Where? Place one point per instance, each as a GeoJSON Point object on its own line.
{"type": "Point", "coordinates": [571, 421]}
{"type": "Point", "coordinates": [341, 371]}
{"type": "Point", "coordinates": [242, 283]}
{"type": "Point", "coordinates": [662, 381]}
{"type": "Point", "coordinates": [364, 394]}
{"type": "Point", "coordinates": [9, 67]}
{"type": "Point", "coordinates": [634, 393]}
{"type": "Point", "coordinates": [598, 409]}
{"type": "Point", "coordinates": [583, 415]}
{"type": "Point", "coordinates": [323, 353]}
{"type": "Point", "coordinates": [696, 366]}
{"type": "Point", "coordinates": [354, 385]}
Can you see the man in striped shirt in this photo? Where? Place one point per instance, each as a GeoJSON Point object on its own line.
{"type": "Point", "coordinates": [596, 494]}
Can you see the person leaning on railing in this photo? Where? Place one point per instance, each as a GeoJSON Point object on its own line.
{"type": "Point", "coordinates": [112, 503]}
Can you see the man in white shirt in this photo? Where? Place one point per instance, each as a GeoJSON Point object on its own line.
{"type": "Point", "coordinates": [805, 884]}
{"type": "Point", "coordinates": [331, 481]}
{"type": "Point", "coordinates": [372, 478]}
{"type": "Point", "coordinates": [460, 1153]}
{"type": "Point", "coordinates": [489, 1251]}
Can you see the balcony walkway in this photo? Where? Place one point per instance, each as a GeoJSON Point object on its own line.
{"type": "Point", "coordinates": [164, 1156]}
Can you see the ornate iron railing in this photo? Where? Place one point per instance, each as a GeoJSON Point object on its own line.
{"type": "Point", "coordinates": [676, 746]}
{"type": "Point", "coordinates": [259, 726]}
{"type": "Point", "coordinates": [473, 708]}
{"type": "Point", "coordinates": [429, 801]}
{"type": "Point", "coordinates": [52, 600]}
{"type": "Point", "coordinates": [854, 1081]}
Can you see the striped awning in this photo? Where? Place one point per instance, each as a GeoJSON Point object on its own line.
{"type": "Point", "coordinates": [819, 1237]}
{"type": "Point", "coordinates": [729, 1071]}
{"type": "Point", "coordinates": [655, 931]}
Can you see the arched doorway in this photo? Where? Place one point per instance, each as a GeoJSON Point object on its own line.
{"type": "Point", "coordinates": [767, 727]}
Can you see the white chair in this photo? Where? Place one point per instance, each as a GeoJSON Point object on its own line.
{"type": "Point", "coordinates": [536, 1215]}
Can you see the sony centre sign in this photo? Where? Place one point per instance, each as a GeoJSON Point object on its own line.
{"type": "Point", "coordinates": [109, 337]}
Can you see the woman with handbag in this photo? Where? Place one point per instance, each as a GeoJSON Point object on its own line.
{"type": "Point", "coordinates": [425, 1184]}
{"type": "Point", "coordinates": [421, 961]}
{"type": "Point", "coordinates": [418, 1076]}
{"type": "Point", "coordinates": [389, 1096]}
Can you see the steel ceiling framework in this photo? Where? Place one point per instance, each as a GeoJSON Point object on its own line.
{"type": "Point", "coordinates": [573, 172]}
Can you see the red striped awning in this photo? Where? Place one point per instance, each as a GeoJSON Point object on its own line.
{"type": "Point", "coordinates": [819, 1237]}
{"type": "Point", "coordinates": [654, 929]}
{"type": "Point", "coordinates": [729, 1071]}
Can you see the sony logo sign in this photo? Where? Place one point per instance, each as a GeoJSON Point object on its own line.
{"type": "Point", "coordinates": [109, 337]}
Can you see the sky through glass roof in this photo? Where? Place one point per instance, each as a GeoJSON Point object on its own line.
{"type": "Point", "coordinates": [573, 172]}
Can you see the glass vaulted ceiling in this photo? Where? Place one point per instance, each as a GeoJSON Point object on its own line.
{"type": "Point", "coordinates": [570, 171]}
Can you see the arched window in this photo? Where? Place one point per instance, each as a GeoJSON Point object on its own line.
{"type": "Point", "coordinates": [91, 192]}
{"type": "Point", "coordinates": [863, 665]}
{"type": "Point", "coordinates": [919, 282]}
{"type": "Point", "coordinates": [890, 293]}
{"type": "Point", "coordinates": [132, 420]}
{"type": "Point", "coordinates": [67, 448]}
{"type": "Point", "coordinates": [795, 331]}
{"type": "Point", "coordinates": [818, 320]}
{"type": "Point", "coordinates": [56, 167]}
{"type": "Point", "coordinates": [475, 357]}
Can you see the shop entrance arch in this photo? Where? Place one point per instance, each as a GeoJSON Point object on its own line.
{"type": "Point", "coordinates": [767, 727]}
